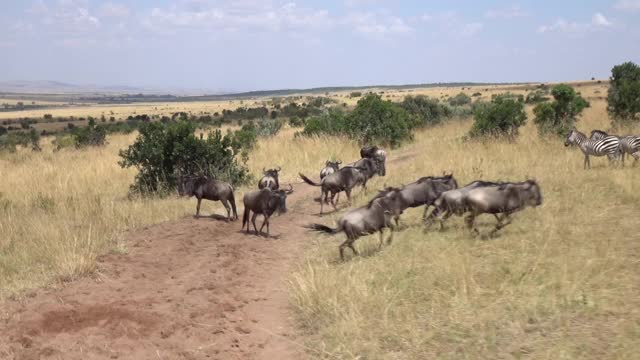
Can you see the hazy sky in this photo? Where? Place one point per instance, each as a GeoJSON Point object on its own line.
{"type": "Point", "coordinates": [264, 44]}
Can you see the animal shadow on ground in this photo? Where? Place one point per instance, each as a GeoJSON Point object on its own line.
{"type": "Point", "coordinates": [214, 217]}
{"type": "Point", "coordinates": [261, 235]}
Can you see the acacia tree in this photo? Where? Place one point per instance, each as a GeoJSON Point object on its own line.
{"type": "Point", "coordinates": [624, 92]}
{"type": "Point", "coordinates": [559, 116]}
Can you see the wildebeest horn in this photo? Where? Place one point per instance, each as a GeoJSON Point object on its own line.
{"type": "Point", "coordinates": [339, 162]}
{"type": "Point", "coordinates": [290, 189]}
{"type": "Point", "coordinates": [278, 168]}
{"type": "Point", "coordinates": [264, 170]}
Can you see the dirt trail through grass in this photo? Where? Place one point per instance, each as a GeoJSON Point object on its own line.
{"type": "Point", "coordinates": [189, 289]}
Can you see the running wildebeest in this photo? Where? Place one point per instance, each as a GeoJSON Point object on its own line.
{"type": "Point", "coordinates": [203, 187]}
{"type": "Point", "coordinates": [365, 220]}
{"type": "Point", "coordinates": [452, 202]}
{"type": "Point", "coordinates": [264, 202]}
{"type": "Point", "coordinates": [422, 192]}
{"type": "Point", "coordinates": [504, 199]}
{"type": "Point", "coordinates": [270, 179]}
{"type": "Point", "coordinates": [371, 167]}
{"type": "Point", "coordinates": [376, 153]}
{"type": "Point", "coordinates": [344, 179]}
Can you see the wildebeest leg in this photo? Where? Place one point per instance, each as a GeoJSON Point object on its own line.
{"type": "Point", "coordinates": [397, 219]}
{"type": "Point", "coordinates": [334, 203]}
{"type": "Point", "coordinates": [198, 207]}
{"type": "Point", "coordinates": [226, 206]}
{"type": "Point", "coordinates": [265, 222]}
{"type": "Point", "coordinates": [253, 221]}
{"type": "Point", "coordinates": [447, 215]}
{"type": "Point", "coordinates": [500, 224]}
{"type": "Point", "coordinates": [350, 244]}
{"type": "Point", "coordinates": [322, 202]}
{"type": "Point", "coordinates": [381, 239]}
{"type": "Point", "coordinates": [469, 220]}
{"type": "Point", "coordinates": [390, 239]}
{"type": "Point", "coordinates": [348, 191]}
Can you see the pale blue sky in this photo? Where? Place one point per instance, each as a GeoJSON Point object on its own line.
{"type": "Point", "coordinates": [267, 44]}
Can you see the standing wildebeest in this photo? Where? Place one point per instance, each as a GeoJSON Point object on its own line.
{"type": "Point", "coordinates": [270, 179]}
{"type": "Point", "coordinates": [203, 187]}
{"type": "Point", "coordinates": [371, 166]}
{"type": "Point", "coordinates": [329, 168]}
{"type": "Point", "coordinates": [609, 145]}
{"type": "Point", "coordinates": [422, 192]}
{"type": "Point", "coordinates": [344, 179]}
{"type": "Point", "coordinates": [629, 144]}
{"type": "Point", "coordinates": [453, 202]}
{"type": "Point", "coordinates": [264, 202]}
{"type": "Point", "coordinates": [376, 153]}
{"type": "Point", "coordinates": [504, 199]}
{"type": "Point", "coordinates": [365, 220]}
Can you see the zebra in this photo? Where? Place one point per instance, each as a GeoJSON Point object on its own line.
{"type": "Point", "coordinates": [609, 145]}
{"type": "Point", "coordinates": [629, 144]}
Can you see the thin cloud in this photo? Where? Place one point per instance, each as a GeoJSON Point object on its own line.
{"type": "Point", "coordinates": [630, 5]}
{"type": "Point", "coordinates": [114, 10]}
{"type": "Point", "coordinates": [507, 13]}
{"type": "Point", "coordinates": [598, 21]}
{"type": "Point", "coordinates": [377, 24]}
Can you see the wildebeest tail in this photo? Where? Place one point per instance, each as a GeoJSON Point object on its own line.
{"type": "Point", "coordinates": [309, 181]}
{"type": "Point", "coordinates": [245, 217]}
{"type": "Point", "coordinates": [232, 200]}
{"type": "Point", "coordinates": [322, 228]}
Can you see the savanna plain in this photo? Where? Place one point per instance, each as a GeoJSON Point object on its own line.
{"type": "Point", "coordinates": [561, 282]}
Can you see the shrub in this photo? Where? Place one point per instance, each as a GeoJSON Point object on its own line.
{"type": "Point", "coordinates": [296, 122]}
{"type": "Point", "coordinates": [375, 120]}
{"type": "Point", "coordinates": [10, 141]}
{"type": "Point", "coordinates": [334, 122]}
{"type": "Point", "coordinates": [268, 128]}
{"type": "Point", "coordinates": [459, 100]}
{"type": "Point", "coordinates": [424, 110]}
{"type": "Point", "coordinates": [90, 135]}
{"type": "Point", "coordinates": [559, 116]}
{"type": "Point", "coordinates": [536, 97]}
{"type": "Point", "coordinates": [355, 94]}
{"type": "Point", "coordinates": [161, 151]}
{"type": "Point", "coordinates": [624, 92]}
{"type": "Point", "coordinates": [501, 117]}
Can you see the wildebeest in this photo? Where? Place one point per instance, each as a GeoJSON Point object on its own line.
{"type": "Point", "coordinates": [422, 192]}
{"type": "Point", "coordinates": [329, 168]}
{"type": "Point", "coordinates": [264, 202]}
{"type": "Point", "coordinates": [371, 167]}
{"type": "Point", "coordinates": [504, 200]}
{"type": "Point", "coordinates": [453, 202]}
{"type": "Point", "coordinates": [269, 179]}
{"type": "Point", "coordinates": [344, 179]}
{"type": "Point", "coordinates": [365, 220]}
{"type": "Point", "coordinates": [203, 187]}
{"type": "Point", "coordinates": [376, 153]}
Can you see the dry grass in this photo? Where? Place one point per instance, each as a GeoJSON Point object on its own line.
{"type": "Point", "coordinates": [562, 282]}
{"type": "Point", "coordinates": [59, 210]}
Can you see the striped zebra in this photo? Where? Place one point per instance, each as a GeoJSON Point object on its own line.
{"type": "Point", "coordinates": [609, 145]}
{"type": "Point", "coordinates": [629, 144]}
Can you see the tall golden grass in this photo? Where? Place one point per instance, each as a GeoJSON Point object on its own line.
{"type": "Point", "coordinates": [59, 210]}
{"type": "Point", "coordinates": [561, 282]}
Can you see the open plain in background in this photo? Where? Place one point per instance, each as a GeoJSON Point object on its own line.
{"type": "Point", "coordinates": [561, 282]}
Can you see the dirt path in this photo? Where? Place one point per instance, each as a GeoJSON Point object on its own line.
{"type": "Point", "coordinates": [189, 289]}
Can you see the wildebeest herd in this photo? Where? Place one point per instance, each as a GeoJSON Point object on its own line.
{"type": "Point", "coordinates": [501, 199]}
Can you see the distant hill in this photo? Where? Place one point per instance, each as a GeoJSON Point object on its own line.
{"type": "Point", "coordinates": [57, 87]}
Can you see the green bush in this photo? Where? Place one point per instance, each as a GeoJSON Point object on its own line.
{"type": "Point", "coordinates": [624, 93]}
{"type": "Point", "coordinates": [425, 110]}
{"type": "Point", "coordinates": [355, 94]}
{"type": "Point", "coordinates": [501, 117]}
{"type": "Point", "coordinates": [296, 122]}
{"type": "Point", "coordinates": [459, 100]}
{"type": "Point", "coordinates": [536, 97]}
{"type": "Point", "coordinates": [334, 122]}
{"type": "Point", "coordinates": [266, 128]}
{"type": "Point", "coordinates": [90, 135]}
{"type": "Point", "coordinates": [559, 116]}
{"type": "Point", "coordinates": [10, 141]}
{"type": "Point", "coordinates": [375, 120]}
{"type": "Point", "coordinates": [161, 151]}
